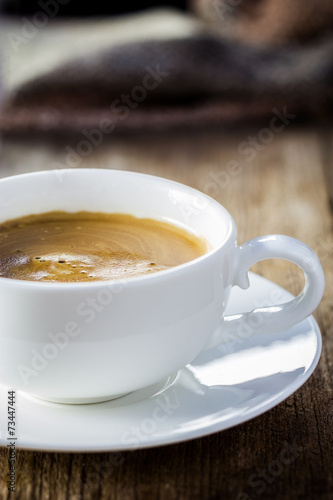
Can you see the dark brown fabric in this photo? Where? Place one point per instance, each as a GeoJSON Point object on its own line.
{"type": "Point", "coordinates": [268, 21]}
{"type": "Point", "coordinates": [203, 79]}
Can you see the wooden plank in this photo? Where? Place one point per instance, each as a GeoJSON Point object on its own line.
{"type": "Point", "coordinates": [282, 190]}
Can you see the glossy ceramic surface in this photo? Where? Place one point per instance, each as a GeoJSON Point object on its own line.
{"type": "Point", "coordinates": [223, 387]}
{"type": "Point", "coordinates": [88, 342]}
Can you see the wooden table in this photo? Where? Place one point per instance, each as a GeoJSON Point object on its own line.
{"type": "Point", "coordinates": [284, 189]}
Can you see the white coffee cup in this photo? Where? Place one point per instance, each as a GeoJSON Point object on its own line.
{"type": "Point", "coordinates": [94, 341]}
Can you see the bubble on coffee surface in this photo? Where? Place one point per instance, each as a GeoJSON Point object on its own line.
{"type": "Point", "coordinates": [75, 266]}
{"type": "Point", "coordinates": [51, 266]}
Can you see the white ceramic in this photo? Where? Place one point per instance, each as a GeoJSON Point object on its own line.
{"type": "Point", "coordinates": [88, 342]}
{"type": "Point", "coordinates": [223, 387]}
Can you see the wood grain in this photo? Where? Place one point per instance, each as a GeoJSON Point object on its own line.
{"type": "Point", "coordinates": [282, 190]}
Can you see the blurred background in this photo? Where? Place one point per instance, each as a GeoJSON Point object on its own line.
{"type": "Point", "coordinates": [77, 8]}
{"type": "Point", "coordinates": [68, 64]}
{"type": "Point", "coordinates": [83, 81]}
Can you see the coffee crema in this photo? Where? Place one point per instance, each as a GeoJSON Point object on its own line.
{"type": "Point", "coordinates": [87, 246]}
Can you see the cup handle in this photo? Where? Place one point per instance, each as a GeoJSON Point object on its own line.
{"type": "Point", "coordinates": [276, 318]}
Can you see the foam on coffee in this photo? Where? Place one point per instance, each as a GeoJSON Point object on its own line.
{"type": "Point", "coordinates": [87, 246]}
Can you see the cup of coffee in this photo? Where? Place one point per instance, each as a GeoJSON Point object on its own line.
{"type": "Point", "coordinates": [111, 281]}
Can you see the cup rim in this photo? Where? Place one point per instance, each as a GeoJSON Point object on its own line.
{"type": "Point", "coordinates": [230, 238]}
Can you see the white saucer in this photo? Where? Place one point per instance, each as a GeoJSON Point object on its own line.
{"type": "Point", "coordinates": [223, 387]}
